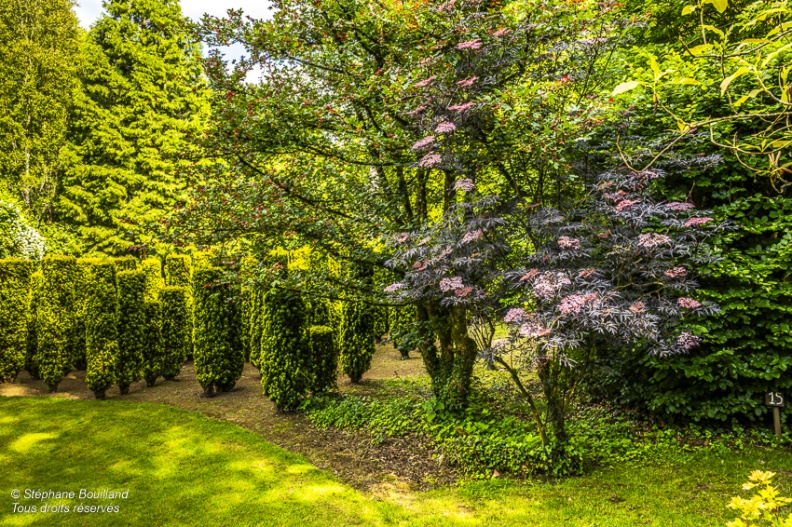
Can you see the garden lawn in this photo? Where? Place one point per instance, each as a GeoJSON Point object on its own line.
{"type": "Point", "coordinates": [182, 468]}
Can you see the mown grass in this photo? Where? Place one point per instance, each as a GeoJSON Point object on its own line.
{"type": "Point", "coordinates": [182, 468]}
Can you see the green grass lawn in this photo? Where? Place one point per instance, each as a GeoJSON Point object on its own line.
{"type": "Point", "coordinates": [182, 468]}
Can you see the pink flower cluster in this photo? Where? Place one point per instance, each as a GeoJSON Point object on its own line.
{"type": "Point", "coordinates": [688, 303]}
{"type": "Point", "coordinates": [652, 239]}
{"type": "Point", "coordinates": [529, 275]}
{"type": "Point", "coordinates": [501, 32]}
{"type": "Point", "coordinates": [472, 236]}
{"type": "Point", "coordinates": [585, 273]}
{"type": "Point", "coordinates": [403, 237]}
{"type": "Point", "coordinates": [638, 308]}
{"type": "Point", "coordinates": [626, 204]}
{"type": "Point", "coordinates": [515, 315]}
{"type": "Point", "coordinates": [571, 304]}
{"type": "Point", "coordinates": [423, 143]}
{"type": "Point", "coordinates": [461, 107]}
{"type": "Point", "coordinates": [447, 284]}
{"type": "Point", "coordinates": [471, 44]}
{"type": "Point", "coordinates": [465, 184]}
{"type": "Point", "coordinates": [430, 160]}
{"type": "Point", "coordinates": [448, 6]}
{"type": "Point", "coordinates": [394, 287]}
{"type": "Point", "coordinates": [534, 330]}
{"type": "Point", "coordinates": [548, 284]}
{"type": "Point", "coordinates": [695, 222]}
{"type": "Point", "coordinates": [467, 82]}
{"type": "Point", "coordinates": [678, 206]}
{"type": "Point", "coordinates": [689, 340]}
{"type": "Point", "coordinates": [445, 127]}
{"type": "Point", "coordinates": [565, 242]}
{"type": "Point", "coordinates": [426, 82]}
{"type": "Point", "coordinates": [676, 272]}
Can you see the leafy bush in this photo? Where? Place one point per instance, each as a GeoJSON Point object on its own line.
{"type": "Point", "coordinates": [153, 356]}
{"type": "Point", "coordinates": [17, 237]}
{"type": "Point", "coordinates": [323, 359]}
{"type": "Point", "coordinates": [55, 328]}
{"type": "Point", "coordinates": [284, 373]}
{"type": "Point", "coordinates": [131, 328]}
{"type": "Point", "coordinates": [356, 339]}
{"type": "Point", "coordinates": [218, 358]}
{"type": "Point", "coordinates": [101, 326]}
{"type": "Point", "coordinates": [152, 267]}
{"type": "Point", "coordinates": [175, 330]}
{"type": "Point", "coordinates": [14, 302]}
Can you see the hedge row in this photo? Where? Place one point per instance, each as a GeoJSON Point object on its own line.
{"type": "Point", "coordinates": [15, 276]}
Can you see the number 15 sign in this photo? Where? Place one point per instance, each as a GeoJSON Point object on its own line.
{"type": "Point", "coordinates": [774, 399]}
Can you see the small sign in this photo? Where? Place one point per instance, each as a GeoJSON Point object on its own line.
{"type": "Point", "coordinates": [774, 399]}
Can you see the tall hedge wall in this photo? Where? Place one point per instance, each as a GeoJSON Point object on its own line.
{"type": "Point", "coordinates": [153, 354]}
{"type": "Point", "coordinates": [152, 267]}
{"type": "Point", "coordinates": [356, 339]}
{"type": "Point", "coordinates": [101, 326]}
{"type": "Point", "coordinates": [125, 263]}
{"type": "Point", "coordinates": [55, 328]}
{"type": "Point", "coordinates": [323, 360]}
{"type": "Point", "coordinates": [179, 273]}
{"type": "Point", "coordinates": [36, 282]}
{"type": "Point", "coordinates": [131, 328]}
{"type": "Point", "coordinates": [285, 374]}
{"type": "Point", "coordinates": [175, 330]}
{"type": "Point", "coordinates": [14, 301]}
{"type": "Point", "coordinates": [218, 358]}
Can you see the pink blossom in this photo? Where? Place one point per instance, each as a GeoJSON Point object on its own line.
{"type": "Point", "coordinates": [403, 237]}
{"type": "Point", "coordinates": [472, 236]}
{"type": "Point", "coordinates": [529, 275]}
{"type": "Point", "coordinates": [515, 315]}
{"type": "Point", "coordinates": [471, 44]}
{"type": "Point", "coordinates": [689, 341]}
{"type": "Point", "coordinates": [448, 6]}
{"type": "Point", "coordinates": [445, 252]}
{"type": "Point", "coordinates": [688, 303]}
{"type": "Point", "coordinates": [423, 143]}
{"type": "Point", "coordinates": [534, 330]}
{"type": "Point", "coordinates": [676, 272]}
{"type": "Point", "coordinates": [585, 273]}
{"type": "Point", "coordinates": [571, 304]}
{"type": "Point", "coordinates": [394, 287]}
{"type": "Point", "coordinates": [678, 206]}
{"type": "Point", "coordinates": [447, 284]}
{"type": "Point", "coordinates": [426, 82]}
{"type": "Point", "coordinates": [652, 239]}
{"type": "Point", "coordinates": [467, 82]}
{"type": "Point", "coordinates": [420, 265]}
{"type": "Point", "coordinates": [604, 235]}
{"type": "Point", "coordinates": [463, 291]}
{"type": "Point", "coordinates": [548, 284]}
{"type": "Point", "coordinates": [465, 184]}
{"type": "Point", "coordinates": [430, 160]}
{"type": "Point", "coordinates": [499, 344]}
{"type": "Point", "coordinates": [501, 32]}
{"type": "Point", "coordinates": [445, 127]}
{"type": "Point", "coordinates": [616, 196]}
{"type": "Point", "coordinates": [695, 222]}
{"type": "Point", "coordinates": [638, 307]}
{"type": "Point", "coordinates": [462, 107]}
{"type": "Point", "coordinates": [565, 242]}
{"type": "Point", "coordinates": [626, 204]}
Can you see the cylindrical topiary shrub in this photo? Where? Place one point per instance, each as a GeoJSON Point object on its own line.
{"type": "Point", "coordinates": [285, 373]}
{"type": "Point", "coordinates": [318, 312]}
{"type": "Point", "coordinates": [15, 276]}
{"type": "Point", "coordinates": [101, 326]}
{"type": "Point", "coordinates": [356, 339]}
{"type": "Point", "coordinates": [179, 273]}
{"type": "Point", "coordinates": [402, 330]}
{"type": "Point", "coordinates": [36, 281]}
{"type": "Point", "coordinates": [55, 329]}
{"type": "Point", "coordinates": [152, 343]}
{"type": "Point", "coordinates": [219, 359]}
{"type": "Point", "coordinates": [131, 328]}
{"type": "Point", "coordinates": [323, 360]}
{"type": "Point", "coordinates": [175, 330]}
{"type": "Point", "coordinates": [255, 319]}
{"type": "Point", "coordinates": [152, 267]}
{"type": "Point", "coordinates": [81, 293]}
{"type": "Point", "coordinates": [125, 263]}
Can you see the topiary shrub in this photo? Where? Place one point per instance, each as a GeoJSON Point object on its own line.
{"type": "Point", "coordinates": [255, 322]}
{"type": "Point", "coordinates": [14, 300]}
{"type": "Point", "coordinates": [179, 273]}
{"type": "Point", "coordinates": [219, 359]}
{"type": "Point", "coordinates": [403, 332]}
{"type": "Point", "coordinates": [125, 263]}
{"type": "Point", "coordinates": [356, 339]}
{"type": "Point", "coordinates": [131, 328]}
{"type": "Point", "coordinates": [323, 359]}
{"type": "Point", "coordinates": [101, 326]}
{"type": "Point", "coordinates": [175, 330]}
{"type": "Point", "coordinates": [55, 331]}
{"type": "Point", "coordinates": [285, 374]}
{"type": "Point", "coordinates": [318, 312]}
{"type": "Point", "coordinates": [36, 281]}
{"type": "Point", "coordinates": [81, 293]}
{"type": "Point", "coordinates": [152, 341]}
{"type": "Point", "coordinates": [152, 267]}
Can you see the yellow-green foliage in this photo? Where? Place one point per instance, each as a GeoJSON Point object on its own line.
{"type": "Point", "coordinates": [125, 263]}
{"type": "Point", "coordinates": [14, 299]}
{"type": "Point", "coordinates": [154, 280]}
{"type": "Point", "coordinates": [152, 346]}
{"type": "Point", "coordinates": [131, 328]}
{"type": "Point", "coordinates": [254, 317]}
{"type": "Point", "coordinates": [218, 360]}
{"type": "Point", "coordinates": [55, 327]}
{"type": "Point", "coordinates": [324, 358]}
{"type": "Point", "coordinates": [101, 326]}
{"type": "Point", "coordinates": [285, 373]}
{"type": "Point", "coordinates": [356, 339]}
{"type": "Point", "coordinates": [36, 281]}
{"type": "Point", "coordinates": [178, 273]}
{"type": "Point", "coordinates": [763, 508]}
{"type": "Point", "coordinates": [175, 328]}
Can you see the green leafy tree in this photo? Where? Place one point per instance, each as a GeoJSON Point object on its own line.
{"type": "Point", "coordinates": [143, 100]}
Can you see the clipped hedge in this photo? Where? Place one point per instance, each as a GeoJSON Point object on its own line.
{"type": "Point", "coordinates": [15, 276]}
{"type": "Point", "coordinates": [153, 357]}
{"type": "Point", "coordinates": [55, 327]}
{"type": "Point", "coordinates": [285, 374]}
{"type": "Point", "coordinates": [131, 328]}
{"type": "Point", "coordinates": [36, 282]}
{"type": "Point", "coordinates": [323, 359]}
{"type": "Point", "coordinates": [125, 263]}
{"type": "Point", "coordinates": [175, 330]}
{"type": "Point", "coordinates": [152, 267]}
{"type": "Point", "coordinates": [101, 326]}
{"type": "Point", "coordinates": [219, 359]}
{"type": "Point", "coordinates": [179, 273]}
{"type": "Point", "coordinates": [255, 316]}
{"type": "Point", "coordinates": [356, 339]}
